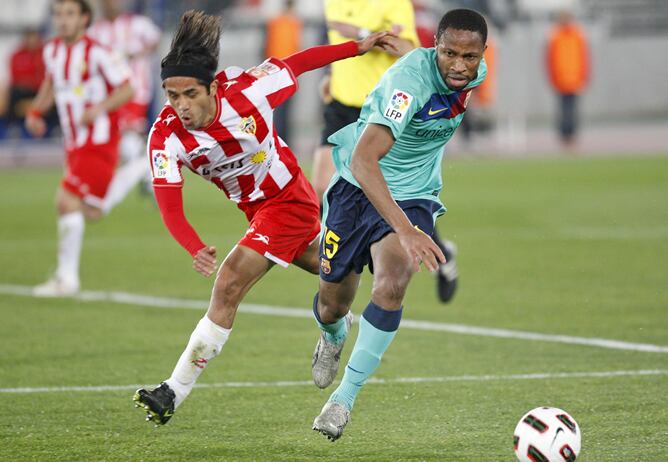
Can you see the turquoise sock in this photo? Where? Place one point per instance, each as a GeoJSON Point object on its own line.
{"type": "Point", "coordinates": [335, 332]}
{"type": "Point", "coordinates": [377, 329]}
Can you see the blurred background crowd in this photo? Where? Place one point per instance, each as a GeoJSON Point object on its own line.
{"type": "Point", "coordinates": [575, 76]}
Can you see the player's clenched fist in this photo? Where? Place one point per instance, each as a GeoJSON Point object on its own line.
{"type": "Point", "coordinates": [205, 261]}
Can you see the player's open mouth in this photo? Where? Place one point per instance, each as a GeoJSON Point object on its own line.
{"type": "Point", "coordinates": [457, 81]}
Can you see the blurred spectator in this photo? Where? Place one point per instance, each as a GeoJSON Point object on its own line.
{"type": "Point", "coordinates": [568, 70]}
{"type": "Point", "coordinates": [283, 38]}
{"type": "Point", "coordinates": [426, 23]}
{"type": "Point", "coordinates": [26, 69]}
{"type": "Point", "coordinates": [136, 38]}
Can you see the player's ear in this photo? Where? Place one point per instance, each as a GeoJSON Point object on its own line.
{"type": "Point", "coordinates": [213, 88]}
{"type": "Point", "coordinates": [435, 41]}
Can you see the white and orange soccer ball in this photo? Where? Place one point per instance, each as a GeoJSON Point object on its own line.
{"type": "Point", "coordinates": [547, 434]}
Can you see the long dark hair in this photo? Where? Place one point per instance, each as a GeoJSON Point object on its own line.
{"type": "Point", "coordinates": [196, 43]}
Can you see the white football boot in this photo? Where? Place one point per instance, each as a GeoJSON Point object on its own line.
{"type": "Point", "coordinates": [56, 287]}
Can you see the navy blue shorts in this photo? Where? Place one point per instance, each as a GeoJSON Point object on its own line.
{"type": "Point", "coordinates": [352, 224]}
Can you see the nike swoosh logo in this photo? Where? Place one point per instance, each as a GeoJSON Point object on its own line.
{"type": "Point", "coordinates": [557, 434]}
{"type": "Point", "coordinates": [431, 112]}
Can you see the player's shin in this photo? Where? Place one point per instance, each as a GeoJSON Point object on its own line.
{"type": "Point", "coordinates": [377, 329]}
{"type": "Point", "coordinates": [125, 178]}
{"type": "Point", "coordinates": [205, 343]}
{"type": "Point", "coordinates": [335, 332]}
{"type": "Point", "coordinates": [70, 237]}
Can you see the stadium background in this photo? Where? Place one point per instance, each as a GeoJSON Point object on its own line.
{"type": "Point", "coordinates": [565, 245]}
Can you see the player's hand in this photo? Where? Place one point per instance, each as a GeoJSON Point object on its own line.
{"type": "Point", "coordinates": [205, 261]}
{"type": "Point", "coordinates": [90, 114]}
{"type": "Point", "coordinates": [421, 248]}
{"type": "Point", "coordinates": [379, 39]}
{"type": "Point", "coordinates": [35, 125]}
{"type": "Point", "coordinates": [396, 46]}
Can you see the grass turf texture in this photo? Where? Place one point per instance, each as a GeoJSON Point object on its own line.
{"type": "Point", "coordinates": [557, 246]}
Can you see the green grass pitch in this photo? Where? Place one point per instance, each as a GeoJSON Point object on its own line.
{"type": "Point", "coordinates": [571, 246]}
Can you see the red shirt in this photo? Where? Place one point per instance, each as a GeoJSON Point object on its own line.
{"type": "Point", "coordinates": [27, 68]}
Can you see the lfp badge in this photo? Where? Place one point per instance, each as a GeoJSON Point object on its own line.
{"type": "Point", "coordinates": [398, 105]}
{"type": "Point", "coordinates": [160, 164]}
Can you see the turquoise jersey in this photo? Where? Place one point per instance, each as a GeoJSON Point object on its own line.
{"type": "Point", "coordinates": [423, 114]}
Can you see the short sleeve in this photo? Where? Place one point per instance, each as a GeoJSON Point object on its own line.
{"type": "Point", "coordinates": [275, 80]}
{"type": "Point", "coordinates": [401, 13]}
{"type": "Point", "coordinates": [112, 66]}
{"type": "Point", "coordinates": [394, 101]}
{"type": "Point", "coordinates": [164, 159]}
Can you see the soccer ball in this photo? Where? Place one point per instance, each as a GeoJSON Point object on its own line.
{"type": "Point", "coordinates": [547, 434]}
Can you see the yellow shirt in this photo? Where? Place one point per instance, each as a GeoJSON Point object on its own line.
{"type": "Point", "coordinates": [353, 79]}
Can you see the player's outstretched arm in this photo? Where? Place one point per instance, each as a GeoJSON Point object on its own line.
{"type": "Point", "coordinates": [170, 203]}
{"type": "Point", "coordinates": [373, 145]}
{"type": "Point", "coordinates": [320, 56]}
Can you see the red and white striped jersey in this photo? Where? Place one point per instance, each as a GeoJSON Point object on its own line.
{"type": "Point", "coordinates": [240, 151]}
{"type": "Point", "coordinates": [131, 35]}
{"type": "Point", "coordinates": [83, 75]}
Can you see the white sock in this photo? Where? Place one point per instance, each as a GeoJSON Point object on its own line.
{"type": "Point", "coordinates": [205, 343]}
{"type": "Point", "coordinates": [70, 236]}
{"type": "Point", "coordinates": [125, 178]}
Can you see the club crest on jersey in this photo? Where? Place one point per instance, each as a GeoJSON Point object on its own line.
{"type": "Point", "coordinates": [160, 163]}
{"type": "Point", "coordinates": [263, 70]}
{"type": "Point", "coordinates": [325, 266]}
{"type": "Point", "coordinates": [247, 125]}
{"type": "Point", "coordinates": [398, 105]}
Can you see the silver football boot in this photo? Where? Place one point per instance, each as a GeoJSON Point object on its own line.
{"type": "Point", "coordinates": [327, 356]}
{"type": "Point", "coordinates": [332, 420]}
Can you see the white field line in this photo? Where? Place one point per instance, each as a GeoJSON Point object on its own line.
{"type": "Point", "coordinates": [163, 302]}
{"type": "Point", "coordinates": [301, 383]}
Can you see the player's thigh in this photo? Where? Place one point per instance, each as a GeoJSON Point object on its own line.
{"type": "Point", "coordinates": [310, 259]}
{"type": "Point", "coordinates": [392, 272]}
{"type": "Point", "coordinates": [335, 298]}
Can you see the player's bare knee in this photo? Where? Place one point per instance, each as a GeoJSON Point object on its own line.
{"type": "Point", "coordinates": [391, 287]}
{"type": "Point", "coordinates": [92, 213]}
